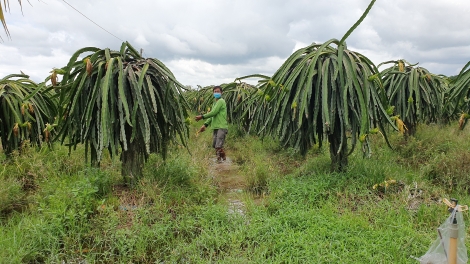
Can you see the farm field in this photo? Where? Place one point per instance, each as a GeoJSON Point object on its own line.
{"type": "Point", "coordinates": [267, 205]}
{"type": "Point", "coordinates": [329, 160]}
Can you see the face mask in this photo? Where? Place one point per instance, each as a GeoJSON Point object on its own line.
{"type": "Point", "coordinates": [217, 95]}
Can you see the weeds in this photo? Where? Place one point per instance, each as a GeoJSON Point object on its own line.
{"type": "Point", "coordinates": [56, 209]}
{"type": "Point", "coordinates": [10, 195]}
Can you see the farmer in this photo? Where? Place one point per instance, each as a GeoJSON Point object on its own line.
{"type": "Point", "coordinates": [217, 118]}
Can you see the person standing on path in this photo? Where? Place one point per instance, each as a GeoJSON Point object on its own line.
{"type": "Point", "coordinates": [217, 119]}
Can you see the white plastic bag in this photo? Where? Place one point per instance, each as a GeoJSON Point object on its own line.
{"type": "Point", "coordinates": [439, 250]}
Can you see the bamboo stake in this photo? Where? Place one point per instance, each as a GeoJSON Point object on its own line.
{"type": "Point", "coordinates": [454, 235]}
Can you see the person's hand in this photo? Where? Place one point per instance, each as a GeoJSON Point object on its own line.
{"type": "Point", "coordinates": [199, 117]}
{"type": "Point", "coordinates": [202, 129]}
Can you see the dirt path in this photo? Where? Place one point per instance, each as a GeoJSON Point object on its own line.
{"type": "Point", "coordinates": [231, 185]}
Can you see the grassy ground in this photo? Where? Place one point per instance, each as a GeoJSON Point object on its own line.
{"type": "Point", "coordinates": [53, 208]}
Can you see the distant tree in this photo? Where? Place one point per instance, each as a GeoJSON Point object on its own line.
{"type": "Point", "coordinates": [459, 95]}
{"type": "Point", "coordinates": [416, 94]}
{"type": "Point", "coordinates": [238, 96]}
{"type": "Point", "coordinates": [27, 111]}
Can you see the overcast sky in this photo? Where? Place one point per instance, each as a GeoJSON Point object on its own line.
{"type": "Point", "coordinates": [210, 42]}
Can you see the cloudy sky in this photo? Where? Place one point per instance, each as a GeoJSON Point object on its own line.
{"type": "Point", "coordinates": [209, 42]}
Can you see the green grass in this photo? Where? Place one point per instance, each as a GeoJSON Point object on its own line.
{"type": "Point", "coordinates": [54, 208]}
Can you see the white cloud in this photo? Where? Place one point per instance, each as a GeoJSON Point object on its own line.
{"type": "Point", "coordinates": [215, 41]}
{"type": "Point", "coordinates": [141, 40]}
{"type": "Point", "coordinates": [299, 45]}
{"type": "Point", "coordinates": [197, 72]}
{"type": "Point", "coordinates": [60, 38]}
{"type": "Point", "coordinates": [37, 67]}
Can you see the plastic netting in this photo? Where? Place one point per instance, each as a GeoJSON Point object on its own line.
{"type": "Point", "coordinates": [439, 250]}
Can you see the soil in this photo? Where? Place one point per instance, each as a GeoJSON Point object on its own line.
{"type": "Point", "coordinates": [230, 183]}
{"type": "Point", "coordinates": [232, 186]}
{"type": "Point", "coordinates": [226, 176]}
